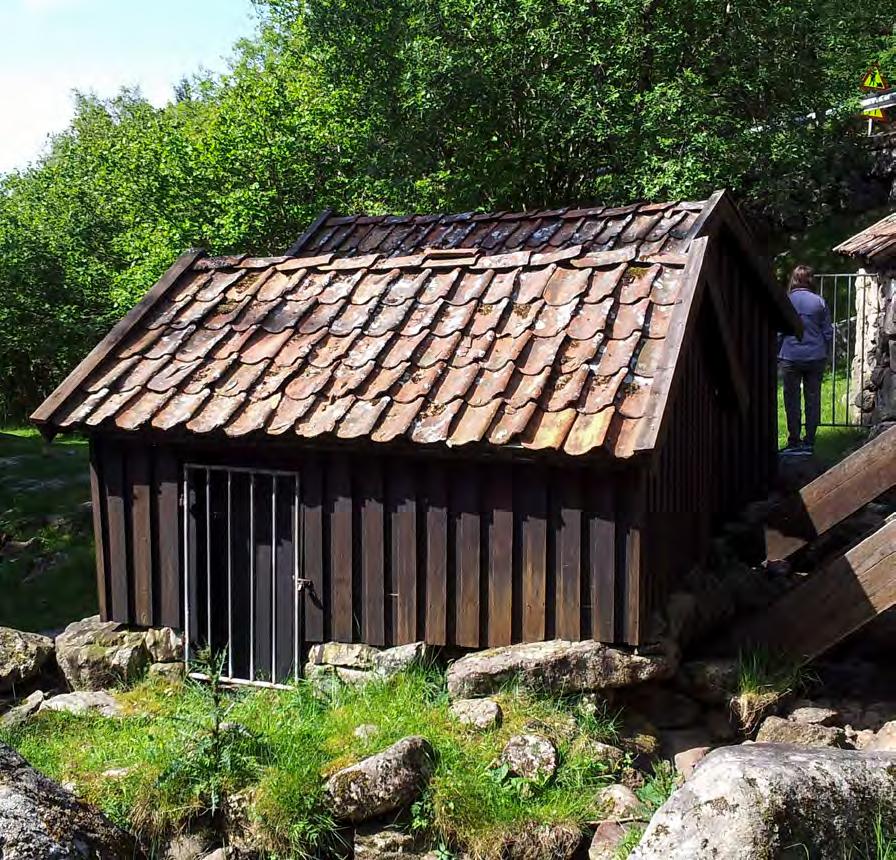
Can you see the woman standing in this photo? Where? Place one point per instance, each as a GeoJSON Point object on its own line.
{"type": "Point", "coordinates": [803, 360]}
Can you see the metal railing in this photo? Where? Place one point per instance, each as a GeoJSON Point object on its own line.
{"type": "Point", "coordinates": [212, 528]}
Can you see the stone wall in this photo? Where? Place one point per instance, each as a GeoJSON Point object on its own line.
{"type": "Point", "coordinates": [874, 364]}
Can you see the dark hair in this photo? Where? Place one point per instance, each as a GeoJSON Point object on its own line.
{"type": "Point", "coordinates": [802, 278]}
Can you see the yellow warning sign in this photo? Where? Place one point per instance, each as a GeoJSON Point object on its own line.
{"type": "Point", "coordinates": [874, 80]}
{"type": "Point", "coordinates": [875, 114]}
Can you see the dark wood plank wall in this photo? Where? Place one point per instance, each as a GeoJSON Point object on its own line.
{"type": "Point", "coordinates": [716, 457]}
{"type": "Point", "coordinates": [396, 550]}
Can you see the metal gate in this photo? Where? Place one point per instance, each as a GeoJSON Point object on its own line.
{"type": "Point", "coordinates": [242, 586]}
{"type": "Point", "coordinates": [848, 371]}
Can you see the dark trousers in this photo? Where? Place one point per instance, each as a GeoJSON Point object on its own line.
{"type": "Point", "coordinates": [807, 374]}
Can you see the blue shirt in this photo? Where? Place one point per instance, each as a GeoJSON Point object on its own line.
{"type": "Point", "coordinates": [818, 333]}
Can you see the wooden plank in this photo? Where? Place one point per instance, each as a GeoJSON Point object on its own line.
{"type": "Point", "coordinates": [831, 604]}
{"type": "Point", "coordinates": [167, 484]}
{"type": "Point", "coordinates": [312, 520]}
{"type": "Point", "coordinates": [499, 502]}
{"type": "Point", "coordinates": [140, 478]}
{"type": "Point", "coordinates": [567, 500]}
{"type": "Point", "coordinates": [465, 511]}
{"type": "Point", "coordinates": [263, 594]}
{"type": "Point", "coordinates": [372, 555]}
{"type": "Point", "coordinates": [436, 555]}
{"type": "Point", "coordinates": [193, 623]}
{"type": "Point", "coordinates": [631, 489]}
{"type": "Point", "coordinates": [339, 507]}
{"type": "Point", "coordinates": [533, 546]}
{"type": "Point", "coordinates": [833, 496]}
{"type": "Point", "coordinates": [602, 559]}
{"type": "Point", "coordinates": [44, 413]}
{"type": "Point", "coordinates": [737, 376]}
{"type": "Point", "coordinates": [97, 502]}
{"type": "Point", "coordinates": [116, 526]}
{"type": "Point", "coordinates": [403, 531]}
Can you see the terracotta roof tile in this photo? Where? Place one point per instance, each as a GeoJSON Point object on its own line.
{"type": "Point", "coordinates": [543, 330]}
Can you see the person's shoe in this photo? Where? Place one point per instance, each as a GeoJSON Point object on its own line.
{"type": "Point", "coordinates": [807, 447]}
{"type": "Point", "coordinates": [792, 448]}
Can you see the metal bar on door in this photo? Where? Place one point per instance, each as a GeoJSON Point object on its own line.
{"type": "Point", "coordinates": [186, 508]}
{"type": "Point", "coordinates": [252, 577]}
{"type": "Point", "coordinates": [834, 356]}
{"type": "Point", "coordinates": [229, 576]}
{"type": "Point", "coordinates": [296, 628]}
{"type": "Point", "coordinates": [274, 578]}
{"type": "Point", "coordinates": [208, 563]}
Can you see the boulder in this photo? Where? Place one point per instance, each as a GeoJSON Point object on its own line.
{"type": "Point", "coordinates": [386, 782]}
{"type": "Point", "coordinates": [813, 715]}
{"type": "Point", "coordinates": [22, 711]}
{"type": "Point", "coordinates": [606, 841]}
{"type": "Point", "coordinates": [611, 756]}
{"type": "Point", "coordinates": [776, 730]}
{"type": "Point", "coordinates": [482, 714]}
{"type": "Point", "coordinates": [687, 760]}
{"type": "Point", "coordinates": [531, 757]}
{"type": "Point", "coordinates": [621, 802]}
{"type": "Point", "coordinates": [390, 842]}
{"type": "Point", "coordinates": [885, 739]}
{"type": "Point", "coordinates": [759, 800]}
{"type": "Point", "coordinates": [39, 819]}
{"type": "Point", "coordinates": [22, 657]}
{"type": "Point", "coordinates": [82, 701]}
{"type": "Point", "coordinates": [171, 672]}
{"type": "Point", "coordinates": [192, 845]}
{"type": "Point", "coordinates": [541, 841]}
{"type": "Point", "coordinates": [345, 655]}
{"type": "Point", "coordinates": [94, 654]}
{"type": "Point", "coordinates": [164, 645]}
{"type": "Point", "coordinates": [357, 664]}
{"type": "Point", "coordinates": [554, 667]}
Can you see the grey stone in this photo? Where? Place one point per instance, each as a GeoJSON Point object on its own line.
{"type": "Point", "coordinates": [606, 753]}
{"type": "Point", "coordinates": [530, 756]}
{"type": "Point", "coordinates": [555, 667]}
{"type": "Point", "coordinates": [759, 800]}
{"type": "Point", "coordinates": [348, 656]}
{"type": "Point", "coordinates": [777, 730]}
{"type": "Point", "coordinates": [606, 840]}
{"type": "Point", "coordinates": [388, 781]}
{"type": "Point", "coordinates": [22, 711]}
{"type": "Point", "coordinates": [164, 645]}
{"type": "Point", "coordinates": [885, 739]}
{"type": "Point", "coordinates": [172, 672]}
{"type": "Point", "coordinates": [687, 760]}
{"type": "Point", "coordinates": [864, 739]}
{"type": "Point", "coordinates": [82, 701]}
{"type": "Point", "coordinates": [483, 714]}
{"type": "Point", "coordinates": [621, 802]}
{"type": "Point", "coordinates": [40, 820]}
{"type": "Point", "coordinates": [353, 664]}
{"type": "Point", "coordinates": [193, 845]}
{"type": "Point", "coordinates": [812, 715]}
{"type": "Point", "coordinates": [95, 655]}
{"type": "Point", "coordinates": [710, 681]}
{"type": "Point", "coordinates": [542, 841]}
{"type": "Point", "coordinates": [401, 657]}
{"type": "Point", "coordinates": [22, 657]}
{"type": "Point", "coordinates": [390, 842]}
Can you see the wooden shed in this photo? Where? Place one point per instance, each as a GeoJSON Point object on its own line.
{"type": "Point", "coordinates": [472, 430]}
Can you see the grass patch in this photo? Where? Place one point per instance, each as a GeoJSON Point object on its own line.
{"type": "Point", "coordinates": [256, 760]}
{"type": "Point", "coordinates": [763, 679]}
{"type": "Point", "coordinates": [47, 574]}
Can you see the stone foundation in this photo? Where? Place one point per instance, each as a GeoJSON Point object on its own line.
{"type": "Point", "coordinates": [874, 365]}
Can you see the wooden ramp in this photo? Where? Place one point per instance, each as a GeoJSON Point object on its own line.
{"type": "Point", "coordinates": [832, 497]}
{"type": "Point", "coordinates": [837, 600]}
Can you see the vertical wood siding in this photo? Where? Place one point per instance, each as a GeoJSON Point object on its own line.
{"type": "Point", "coordinates": [396, 550]}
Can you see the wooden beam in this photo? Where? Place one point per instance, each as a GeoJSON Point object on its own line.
{"type": "Point", "coordinates": [833, 603]}
{"type": "Point", "coordinates": [832, 497]}
{"type": "Point", "coordinates": [726, 336]}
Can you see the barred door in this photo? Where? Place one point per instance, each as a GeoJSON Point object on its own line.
{"type": "Point", "coordinates": [241, 571]}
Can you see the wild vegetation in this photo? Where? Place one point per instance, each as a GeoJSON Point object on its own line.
{"type": "Point", "coordinates": [436, 105]}
{"type": "Point", "coordinates": [256, 760]}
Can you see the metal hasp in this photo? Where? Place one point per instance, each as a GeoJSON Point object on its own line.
{"type": "Point", "coordinates": [243, 600]}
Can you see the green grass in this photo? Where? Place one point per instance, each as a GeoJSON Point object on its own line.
{"type": "Point", "coordinates": [52, 580]}
{"type": "Point", "coordinates": [763, 679]}
{"type": "Point", "coordinates": [832, 444]}
{"type": "Point", "coordinates": [280, 746]}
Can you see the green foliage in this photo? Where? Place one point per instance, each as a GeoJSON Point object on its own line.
{"type": "Point", "coordinates": [423, 105]}
{"type": "Point", "coordinates": [659, 787]}
{"type": "Point", "coordinates": [191, 751]}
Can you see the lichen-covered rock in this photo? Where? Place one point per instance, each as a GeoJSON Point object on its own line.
{"type": "Point", "coordinates": [813, 715]}
{"type": "Point", "coordinates": [22, 657]}
{"type": "Point", "coordinates": [378, 842]}
{"type": "Point", "coordinates": [885, 739]}
{"type": "Point", "coordinates": [482, 714]}
{"type": "Point", "coordinates": [687, 760]}
{"type": "Point", "coordinates": [346, 655]}
{"type": "Point", "coordinates": [555, 667]}
{"type": "Point", "coordinates": [83, 701]}
{"type": "Point", "coordinates": [621, 802]}
{"type": "Point", "coordinates": [390, 780]}
{"type": "Point", "coordinates": [776, 730]}
{"type": "Point", "coordinates": [39, 819]}
{"type": "Point", "coordinates": [95, 655]}
{"type": "Point", "coordinates": [754, 801]}
{"type": "Point", "coordinates": [354, 664]}
{"type": "Point", "coordinates": [542, 841]}
{"type": "Point", "coordinates": [164, 645]}
{"type": "Point", "coordinates": [22, 711]}
{"type": "Point", "coordinates": [530, 756]}
{"type": "Point", "coordinates": [606, 840]}
{"type": "Point", "coordinates": [171, 672]}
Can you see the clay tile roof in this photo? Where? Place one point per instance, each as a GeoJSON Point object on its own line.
{"type": "Point", "coordinates": [876, 243]}
{"type": "Point", "coordinates": [543, 331]}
